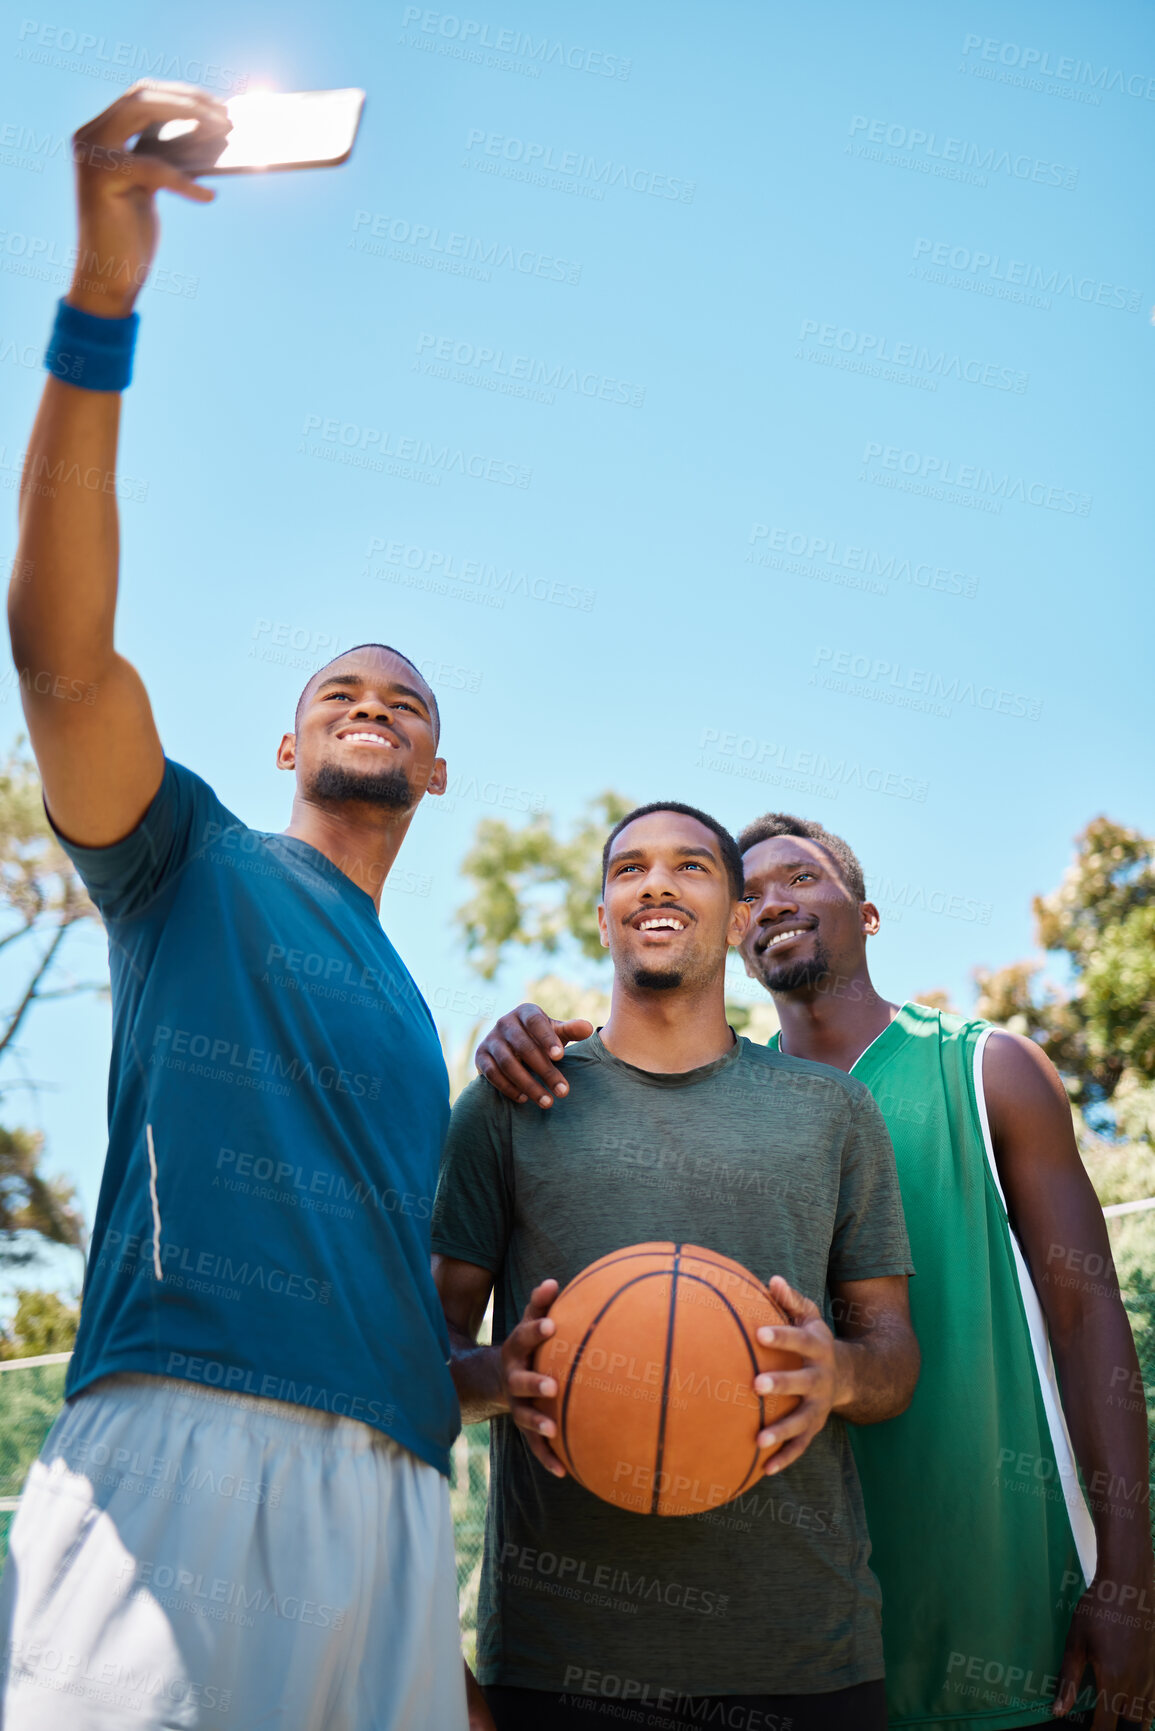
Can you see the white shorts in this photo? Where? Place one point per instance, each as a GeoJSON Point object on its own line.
{"type": "Point", "coordinates": [183, 1557]}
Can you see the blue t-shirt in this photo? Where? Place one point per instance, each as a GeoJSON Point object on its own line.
{"type": "Point", "coordinates": [277, 1104]}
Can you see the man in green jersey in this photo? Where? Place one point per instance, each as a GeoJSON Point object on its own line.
{"type": "Point", "coordinates": [763, 1614]}
{"type": "Point", "coordinates": [1004, 1578]}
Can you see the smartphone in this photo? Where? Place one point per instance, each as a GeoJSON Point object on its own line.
{"type": "Point", "coordinates": [271, 129]}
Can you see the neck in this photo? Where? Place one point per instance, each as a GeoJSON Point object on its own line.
{"type": "Point", "coordinates": [671, 1031]}
{"type": "Point", "coordinates": [360, 838]}
{"type": "Point", "coordinates": [834, 1021]}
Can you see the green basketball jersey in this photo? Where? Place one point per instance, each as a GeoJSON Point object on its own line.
{"type": "Point", "coordinates": [981, 1538]}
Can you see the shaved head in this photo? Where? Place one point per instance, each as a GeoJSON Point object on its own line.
{"type": "Point", "coordinates": [381, 649]}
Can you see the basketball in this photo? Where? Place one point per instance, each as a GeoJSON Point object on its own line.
{"type": "Point", "coordinates": [655, 1354]}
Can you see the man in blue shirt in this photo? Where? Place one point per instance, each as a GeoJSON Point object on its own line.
{"type": "Point", "coordinates": [243, 1508]}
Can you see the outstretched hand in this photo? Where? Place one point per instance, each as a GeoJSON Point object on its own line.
{"type": "Point", "coordinates": [519, 1055]}
{"type": "Point", "coordinates": [116, 188]}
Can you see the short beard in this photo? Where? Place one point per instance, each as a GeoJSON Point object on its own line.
{"type": "Point", "coordinates": [335, 785]}
{"type": "Point", "coordinates": [654, 980]}
{"type": "Point", "coordinates": [795, 976]}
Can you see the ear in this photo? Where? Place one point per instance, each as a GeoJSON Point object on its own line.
{"type": "Point", "coordinates": [603, 928]}
{"type": "Point", "coordinates": [438, 778]}
{"type": "Point", "coordinates": [287, 751]}
{"type": "Point", "coordinates": [739, 924]}
{"type": "Point", "coordinates": [871, 920]}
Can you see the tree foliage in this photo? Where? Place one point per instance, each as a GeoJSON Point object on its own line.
{"type": "Point", "coordinates": [31, 1204]}
{"type": "Point", "coordinates": [1099, 1032]}
{"type": "Point", "coordinates": [44, 1322]}
{"type": "Point", "coordinates": [42, 900]}
{"type": "Point", "coordinates": [534, 887]}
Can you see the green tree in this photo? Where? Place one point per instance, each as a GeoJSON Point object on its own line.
{"type": "Point", "coordinates": [534, 887]}
{"type": "Point", "coordinates": [44, 1322]}
{"type": "Point", "coordinates": [32, 1207]}
{"type": "Point", "coordinates": [1100, 1031]}
{"type": "Point", "coordinates": [42, 901]}
{"type": "Point", "coordinates": [1100, 1034]}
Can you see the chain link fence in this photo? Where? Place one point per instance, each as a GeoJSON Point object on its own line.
{"type": "Point", "coordinates": [468, 1493]}
{"type": "Point", "coordinates": [1141, 1308]}
{"type": "Point", "coordinates": [31, 1395]}
{"type": "Point", "coordinates": [1133, 1250]}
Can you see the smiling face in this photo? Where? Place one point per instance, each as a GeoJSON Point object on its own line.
{"type": "Point", "coordinates": [804, 922]}
{"type": "Point", "coordinates": [668, 910]}
{"type": "Point", "coordinates": [366, 731]}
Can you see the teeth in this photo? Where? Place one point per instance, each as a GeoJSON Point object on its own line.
{"type": "Point", "coordinates": [366, 738]}
{"type": "Point", "coordinates": [662, 925]}
{"type": "Point", "coordinates": [781, 937]}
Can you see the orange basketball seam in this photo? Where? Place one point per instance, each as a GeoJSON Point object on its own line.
{"type": "Point", "coordinates": [660, 1247]}
{"type": "Point", "coordinates": [665, 1406]}
{"type": "Point", "coordinates": [571, 1378]}
{"type": "Point", "coordinates": [736, 1268]}
{"type": "Point", "coordinates": [754, 1364]}
{"type": "Point", "coordinates": [613, 1258]}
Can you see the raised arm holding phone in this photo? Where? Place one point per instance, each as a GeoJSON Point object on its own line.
{"type": "Point", "coordinates": [245, 1498]}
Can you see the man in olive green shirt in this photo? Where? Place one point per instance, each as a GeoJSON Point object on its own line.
{"type": "Point", "coordinates": [679, 1131]}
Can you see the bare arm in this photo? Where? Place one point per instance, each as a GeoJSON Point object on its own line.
{"type": "Point", "coordinates": [464, 1290]}
{"type": "Point", "coordinates": [492, 1380]}
{"type": "Point", "coordinates": [100, 760]}
{"type": "Point", "coordinates": [875, 1348]}
{"type": "Point", "coordinates": [865, 1373]}
{"type": "Point", "coordinates": [480, 1718]}
{"type": "Point", "coordinates": [1059, 1224]}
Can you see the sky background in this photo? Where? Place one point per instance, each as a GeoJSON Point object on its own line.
{"type": "Point", "coordinates": [741, 404]}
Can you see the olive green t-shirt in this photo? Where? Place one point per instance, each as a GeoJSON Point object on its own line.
{"type": "Point", "coordinates": [785, 1166]}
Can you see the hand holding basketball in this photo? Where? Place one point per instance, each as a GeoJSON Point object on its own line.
{"type": "Point", "coordinates": [816, 1386]}
{"type": "Point", "coordinates": [521, 1384]}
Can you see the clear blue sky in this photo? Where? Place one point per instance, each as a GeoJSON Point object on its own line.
{"type": "Point", "coordinates": [827, 278]}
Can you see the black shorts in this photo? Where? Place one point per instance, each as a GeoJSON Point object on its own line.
{"type": "Point", "coordinates": [861, 1708]}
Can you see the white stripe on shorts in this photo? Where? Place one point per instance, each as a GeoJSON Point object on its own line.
{"type": "Point", "coordinates": [188, 1558]}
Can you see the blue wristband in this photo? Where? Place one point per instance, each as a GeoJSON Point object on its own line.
{"type": "Point", "coordinates": [91, 352]}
